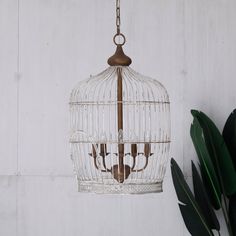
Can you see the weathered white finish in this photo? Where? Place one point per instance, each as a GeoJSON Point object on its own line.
{"type": "Point", "coordinates": [188, 45]}
{"type": "Point", "coordinates": [93, 130]}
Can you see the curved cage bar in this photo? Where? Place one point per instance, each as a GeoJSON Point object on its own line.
{"type": "Point", "coordinates": [120, 132]}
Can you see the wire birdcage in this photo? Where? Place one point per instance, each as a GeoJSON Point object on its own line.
{"type": "Point", "coordinates": [111, 155]}
{"type": "Point", "coordinates": [120, 130]}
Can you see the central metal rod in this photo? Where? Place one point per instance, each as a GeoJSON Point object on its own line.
{"type": "Point", "coordinates": [120, 116]}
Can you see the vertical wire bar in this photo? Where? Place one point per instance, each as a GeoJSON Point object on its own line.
{"type": "Point", "coordinates": [128, 114]}
{"type": "Point", "coordinates": [98, 85]}
{"type": "Point", "coordinates": [148, 116]}
{"type": "Point", "coordinates": [152, 121]}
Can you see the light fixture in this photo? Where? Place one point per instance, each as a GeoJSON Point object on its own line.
{"type": "Point", "coordinates": [120, 128]}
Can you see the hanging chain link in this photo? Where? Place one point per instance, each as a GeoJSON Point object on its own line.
{"type": "Point", "coordinates": [118, 34]}
{"type": "Point", "coordinates": [118, 16]}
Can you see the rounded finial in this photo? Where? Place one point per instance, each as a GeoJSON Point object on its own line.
{"type": "Point", "coordinates": [119, 58]}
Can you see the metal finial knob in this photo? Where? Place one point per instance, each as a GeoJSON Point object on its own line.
{"type": "Point", "coordinates": [119, 58]}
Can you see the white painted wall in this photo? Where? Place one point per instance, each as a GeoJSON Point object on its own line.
{"type": "Point", "coordinates": [46, 46]}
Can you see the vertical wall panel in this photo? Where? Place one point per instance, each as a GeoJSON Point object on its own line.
{"type": "Point", "coordinates": [8, 210]}
{"type": "Point", "coordinates": [150, 214]}
{"type": "Point", "coordinates": [60, 45]}
{"type": "Point", "coordinates": [8, 86]}
{"type": "Point", "coordinates": [155, 33]}
{"type": "Point", "coordinates": [47, 64]}
{"type": "Point", "coordinates": [50, 206]}
{"type": "Point", "coordinates": [210, 64]}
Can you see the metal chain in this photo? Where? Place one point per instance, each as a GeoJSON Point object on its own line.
{"type": "Point", "coordinates": [118, 16]}
{"type": "Point", "coordinates": [118, 34]}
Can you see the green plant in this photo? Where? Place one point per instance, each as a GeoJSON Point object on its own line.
{"type": "Point", "coordinates": [215, 187]}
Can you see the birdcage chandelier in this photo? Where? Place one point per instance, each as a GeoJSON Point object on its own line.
{"type": "Point", "coordinates": [120, 128]}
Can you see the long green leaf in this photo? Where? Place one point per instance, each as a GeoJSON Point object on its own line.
{"type": "Point", "coordinates": [203, 200]}
{"type": "Point", "coordinates": [191, 212]}
{"type": "Point", "coordinates": [232, 213]}
{"type": "Point", "coordinates": [229, 135]}
{"type": "Point", "coordinates": [218, 152]}
{"type": "Point", "coordinates": [207, 169]}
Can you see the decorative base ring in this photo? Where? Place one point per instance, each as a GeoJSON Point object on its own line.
{"type": "Point", "coordinates": [100, 188]}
